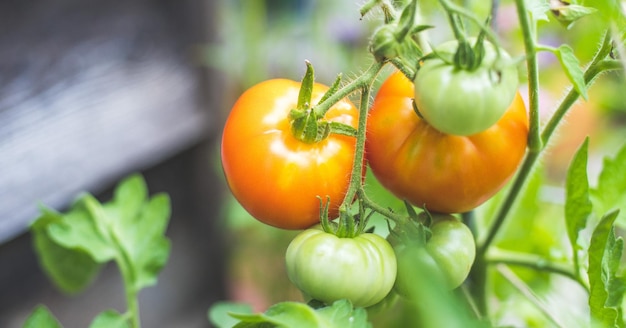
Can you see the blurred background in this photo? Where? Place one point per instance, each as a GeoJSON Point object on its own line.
{"type": "Point", "coordinates": [93, 90]}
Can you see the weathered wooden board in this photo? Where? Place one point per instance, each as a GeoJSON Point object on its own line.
{"type": "Point", "coordinates": [89, 92]}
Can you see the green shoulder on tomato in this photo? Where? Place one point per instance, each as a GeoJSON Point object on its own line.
{"type": "Point", "coordinates": [461, 101]}
{"type": "Point", "coordinates": [328, 268]}
{"type": "Point", "coordinates": [446, 256]}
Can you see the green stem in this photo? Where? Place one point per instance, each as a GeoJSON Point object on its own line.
{"type": "Point", "coordinates": [478, 285]}
{"type": "Point", "coordinates": [523, 288]}
{"type": "Point", "coordinates": [598, 65]}
{"type": "Point", "coordinates": [534, 262]}
{"type": "Point", "coordinates": [397, 218]}
{"type": "Point", "coordinates": [132, 303]}
{"type": "Point", "coordinates": [124, 263]}
{"type": "Point", "coordinates": [364, 83]}
{"type": "Point", "coordinates": [364, 80]}
{"type": "Point", "coordinates": [528, 32]}
{"type": "Point", "coordinates": [454, 8]}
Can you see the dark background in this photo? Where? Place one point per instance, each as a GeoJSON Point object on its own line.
{"type": "Point", "coordinates": [90, 92]}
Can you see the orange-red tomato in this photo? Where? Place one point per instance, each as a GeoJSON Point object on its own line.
{"type": "Point", "coordinates": [276, 177]}
{"type": "Point", "coordinates": [440, 172]}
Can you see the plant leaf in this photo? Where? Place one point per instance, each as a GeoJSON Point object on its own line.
{"type": "Point", "coordinates": [109, 319]}
{"type": "Point", "coordinates": [69, 269]}
{"type": "Point", "coordinates": [41, 318]}
{"type": "Point", "coordinates": [141, 236]}
{"type": "Point", "coordinates": [219, 313]}
{"type": "Point", "coordinates": [342, 314]}
{"type": "Point", "coordinates": [538, 9]}
{"type": "Point", "coordinates": [606, 289]}
{"type": "Point", "coordinates": [610, 192]}
{"type": "Point", "coordinates": [572, 69]}
{"type": "Point", "coordinates": [285, 314]}
{"type": "Point", "coordinates": [81, 229]}
{"type": "Point", "coordinates": [578, 206]}
{"type": "Point", "coordinates": [130, 229]}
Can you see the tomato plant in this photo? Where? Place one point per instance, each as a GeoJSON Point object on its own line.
{"type": "Point", "coordinates": [328, 268]}
{"type": "Point", "coordinates": [275, 176]}
{"type": "Point", "coordinates": [437, 171]}
{"type": "Point", "coordinates": [462, 101]}
{"type": "Point", "coordinates": [448, 252]}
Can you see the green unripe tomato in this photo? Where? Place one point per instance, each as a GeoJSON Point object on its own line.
{"type": "Point", "coordinates": [328, 268]}
{"type": "Point", "coordinates": [448, 255]}
{"type": "Point", "coordinates": [465, 102]}
{"type": "Point", "coordinates": [384, 44]}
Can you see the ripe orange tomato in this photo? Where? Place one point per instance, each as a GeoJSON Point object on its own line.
{"type": "Point", "coordinates": [276, 177]}
{"type": "Point", "coordinates": [440, 172]}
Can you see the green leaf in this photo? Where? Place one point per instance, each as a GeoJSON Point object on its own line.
{"type": "Point", "coordinates": [538, 9]}
{"type": "Point", "coordinates": [285, 314]}
{"type": "Point", "coordinates": [610, 192]}
{"type": "Point", "coordinates": [342, 129]}
{"type": "Point", "coordinates": [81, 229]}
{"type": "Point", "coordinates": [219, 313]}
{"type": "Point", "coordinates": [142, 237]}
{"type": "Point", "coordinates": [129, 197]}
{"type": "Point", "coordinates": [69, 269]}
{"type": "Point", "coordinates": [342, 314]}
{"type": "Point", "coordinates": [578, 206]}
{"type": "Point", "coordinates": [109, 319]}
{"type": "Point", "coordinates": [41, 318]}
{"type": "Point", "coordinates": [130, 230]}
{"type": "Point", "coordinates": [333, 88]}
{"type": "Point", "coordinates": [606, 289]}
{"type": "Point", "coordinates": [572, 68]}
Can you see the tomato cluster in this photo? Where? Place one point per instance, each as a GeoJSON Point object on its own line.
{"type": "Point", "coordinates": [446, 142]}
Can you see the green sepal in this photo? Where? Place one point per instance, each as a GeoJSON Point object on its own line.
{"type": "Point", "coordinates": [411, 211]}
{"type": "Point", "coordinates": [420, 28]}
{"type": "Point", "coordinates": [342, 129]}
{"type": "Point", "coordinates": [306, 87]}
{"type": "Point", "coordinates": [406, 21]}
{"type": "Point", "coordinates": [464, 58]}
{"type": "Point", "coordinates": [333, 88]}
{"type": "Point", "coordinates": [479, 46]}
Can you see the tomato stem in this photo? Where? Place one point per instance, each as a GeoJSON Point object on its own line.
{"type": "Point", "coordinates": [535, 262]}
{"type": "Point", "coordinates": [347, 227]}
{"type": "Point", "coordinates": [363, 80]}
{"type": "Point", "coordinates": [525, 290]}
{"type": "Point", "coordinates": [479, 273]}
{"type": "Point", "coordinates": [460, 11]}
{"type": "Point", "coordinates": [530, 45]}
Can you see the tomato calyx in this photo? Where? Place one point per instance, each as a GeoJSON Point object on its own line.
{"type": "Point", "coordinates": [415, 231]}
{"type": "Point", "coordinates": [307, 125]}
{"type": "Point", "coordinates": [396, 40]}
{"type": "Point", "coordinates": [347, 225]}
